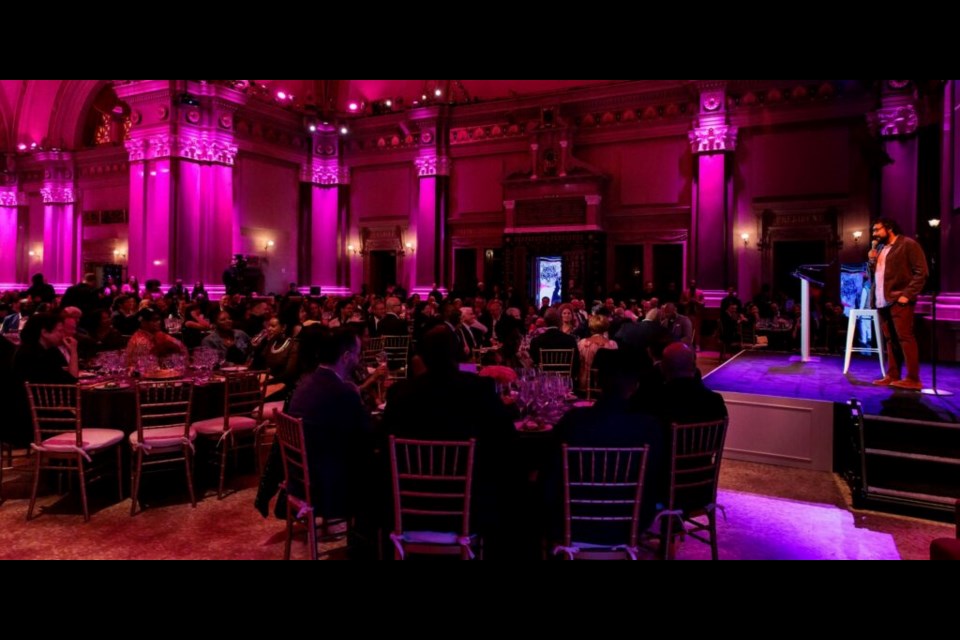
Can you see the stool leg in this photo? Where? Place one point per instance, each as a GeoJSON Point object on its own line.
{"type": "Point", "coordinates": [879, 334]}
{"type": "Point", "coordinates": [851, 330]}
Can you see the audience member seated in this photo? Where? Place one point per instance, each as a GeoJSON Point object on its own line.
{"type": "Point", "coordinates": [39, 358]}
{"type": "Point", "coordinates": [684, 398]}
{"type": "Point", "coordinates": [588, 347]}
{"type": "Point", "coordinates": [125, 315]}
{"type": "Point", "coordinates": [272, 353]}
{"type": "Point", "coordinates": [336, 428]}
{"type": "Point", "coordinates": [610, 423]}
{"type": "Point", "coordinates": [232, 344]}
{"type": "Point", "coordinates": [554, 338]}
{"type": "Point", "coordinates": [103, 337]}
{"type": "Point", "coordinates": [447, 404]}
{"type": "Point", "coordinates": [151, 340]}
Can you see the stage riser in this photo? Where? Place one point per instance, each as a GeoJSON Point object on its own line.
{"type": "Point", "coordinates": [782, 431]}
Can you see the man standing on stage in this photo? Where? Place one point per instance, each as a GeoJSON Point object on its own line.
{"type": "Point", "coordinates": [901, 271]}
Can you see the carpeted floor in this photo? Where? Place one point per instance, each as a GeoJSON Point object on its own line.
{"type": "Point", "coordinates": [772, 513]}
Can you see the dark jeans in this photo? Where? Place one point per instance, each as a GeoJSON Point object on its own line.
{"type": "Point", "coordinates": [896, 321]}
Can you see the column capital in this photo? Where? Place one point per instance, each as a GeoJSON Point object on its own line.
{"type": "Point", "coordinates": [713, 138]}
{"type": "Point", "coordinates": [509, 204]}
{"type": "Point", "coordinates": [325, 173]}
{"type": "Point", "coordinates": [896, 120]}
{"type": "Point", "coordinates": [430, 166]}
{"type": "Point", "coordinates": [199, 148]}
{"type": "Point", "coordinates": [12, 198]}
{"type": "Point", "coordinates": [58, 194]}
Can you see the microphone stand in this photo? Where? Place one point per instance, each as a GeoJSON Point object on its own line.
{"type": "Point", "coordinates": [933, 390]}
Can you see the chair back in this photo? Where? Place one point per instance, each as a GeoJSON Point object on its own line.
{"type": "Point", "coordinates": [162, 405]}
{"type": "Point", "coordinates": [398, 352]}
{"type": "Point", "coordinates": [696, 452]}
{"type": "Point", "coordinates": [370, 349]}
{"type": "Point", "coordinates": [432, 482]}
{"type": "Point", "coordinates": [602, 485]}
{"type": "Point", "coordinates": [55, 409]}
{"type": "Point", "coordinates": [559, 361]}
{"type": "Point", "coordinates": [243, 394]}
{"type": "Point", "coordinates": [293, 452]}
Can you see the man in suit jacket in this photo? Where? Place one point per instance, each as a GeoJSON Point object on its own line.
{"type": "Point", "coordinates": [611, 423]}
{"type": "Point", "coordinates": [375, 321]}
{"type": "Point", "coordinates": [446, 404]}
{"type": "Point", "coordinates": [392, 324]}
{"type": "Point", "coordinates": [337, 430]}
{"type": "Point", "coordinates": [683, 397]}
{"type": "Point", "coordinates": [554, 338]}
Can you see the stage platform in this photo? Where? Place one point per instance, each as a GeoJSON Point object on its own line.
{"type": "Point", "coordinates": [784, 412]}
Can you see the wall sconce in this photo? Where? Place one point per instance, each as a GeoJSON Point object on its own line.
{"type": "Point", "coordinates": [856, 237]}
{"type": "Point", "coordinates": [119, 255]}
{"type": "Point", "coordinates": [934, 223]}
{"type": "Point", "coordinates": [35, 253]}
{"type": "Point", "coordinates": [409, 248]}
{"type": "Point", "coordinates": [746, 239]}
{"type": "Point", "coordinates": [355, 251]}
{"type": "Point", "coordinates": [269, 245]}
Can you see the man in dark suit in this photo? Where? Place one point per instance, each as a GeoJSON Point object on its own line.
{"type": "Point", "coordinates": [337, 430]}
{"type": "Point", "coordinates": [375, 321]}
{"type": "Point", "coordinates": [446, 404]}
{"type": "Point", "coordinates": [554, 338]}
{"type": "Point", "coordinates": [392, 324]}
{"type": "Point", "coordinates": [683, 397]}
{"type": "Point", "coordinates": [611, 423]}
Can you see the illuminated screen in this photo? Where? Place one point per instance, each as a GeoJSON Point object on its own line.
{"type": "Point", "coordinates": [550, 279]}
{"type": "Point", "coordinates": [854, 286]}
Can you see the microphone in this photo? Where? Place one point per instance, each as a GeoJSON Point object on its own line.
{"type": "Point", "coordinates": [874, 244]}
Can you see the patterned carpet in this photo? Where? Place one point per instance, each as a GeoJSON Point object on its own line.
{"type": "Point", "coordinates": [801, 517]}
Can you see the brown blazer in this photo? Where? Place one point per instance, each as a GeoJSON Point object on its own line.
{"type": "Point", "coordinates": [905, 271]}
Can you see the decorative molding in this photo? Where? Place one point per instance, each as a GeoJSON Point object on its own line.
{"type": "Point", "coordinates": [713, 138]}
{"type": "Point", "coordinates": [13, 198]}
{"type": "Point", "coordinates": [204, 149]}
{"type": "Point", "coordinates": [900, 120]}
{"type": "Point", "coordinates": [58, 195]}
{"type": "Point", "coordinates": [197, 148]}
{"type": "Point", "coordinates": [330, 174]}
{"type": "Point", "coordinates": [429, 166]}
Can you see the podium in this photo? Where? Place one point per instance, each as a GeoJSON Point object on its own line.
{"type": "Point", "coordinates": [807, 273]}
{"type": "Point", "coordinates": [855, 315]}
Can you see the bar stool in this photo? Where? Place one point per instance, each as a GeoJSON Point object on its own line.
{"type": "Point", "coordinates": [855, 315]}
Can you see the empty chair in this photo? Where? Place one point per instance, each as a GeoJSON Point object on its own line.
{"type": "Point", "coordinates": [296, 481]}
{"type": "Point", "coordinates": [432, 483]}
{"type": "Point", "coordinates": [397, 349]}
{"type": "Point", "coordinates": [559, 361]}
{"type": "Point", "coordinates": [164, 434]}
{"type": "Point", "coordinates": [695, 454]}
{"type": "Point", "coordinates": [243, 406]}
{"type": "Point", "coordinates": [602, 489]}
{"type": "Point", "coordinates": [61, 443]}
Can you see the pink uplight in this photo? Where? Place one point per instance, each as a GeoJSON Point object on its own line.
{"type": "Point", "coordinates": [281, 95]}
{"type": "Point", "coordinates": [22, 147]}
{"type": "Point", "coordinates": [353, 106]}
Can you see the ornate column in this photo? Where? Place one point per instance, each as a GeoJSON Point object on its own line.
{"type": "Point", "coordinates": [330, 264]}
{"type": "Point", "coordinates": [430, 218]}
{"type": "Point", "coordinates": [896, 122]}
{"type": "Point", "coordinates": [182, 154]}
{"type": "Point", "coordinates": [10, 249]}
{"type": "Point", "coordinates": [433, 172]}
{"type": "Point", "coordinates": [711, 139]}
{"type": "Point", "coordinates": [62, 231]}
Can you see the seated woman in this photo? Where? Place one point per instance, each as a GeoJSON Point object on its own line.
{"type": "Point", "coordinates": [272, 351]}
{"type": "Point", "coordinates": [102, 337]}
{"type": "Point", "coordinates": [232, 344]}
{"type": "Point", "coordinates": [195, 325]}
{"type": "Point", "coordinates": [39, 358]}
{"type": "Point", "coordinates": [151, 340]}
{"type": "Point", "coordinates": [588, 347]}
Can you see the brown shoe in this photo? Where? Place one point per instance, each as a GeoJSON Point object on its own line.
{"type": "Point", "coordinates": [885, 381]}
{"type": "Point", "coordinates": [910, 385]}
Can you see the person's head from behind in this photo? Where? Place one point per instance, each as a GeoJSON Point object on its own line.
{"type": "Point", "coordinates": [339, 349]}
{"type": "Point", "coordinates": [552, 318]}
{"type": "Point", "coordinates": [149, 320]}
{"type": "Point", "coordinates": [438, 349]}
{"type": "Point", "coordinates": [618, 374]}
{"type": "Point", "coordinates": [43, 330]}
{"type": "Point", "coordinates": [598, 325]}
{"type": "Point", "coordinates": [37, 279]}
{"type": "Point", "coordinates": [678, 361]}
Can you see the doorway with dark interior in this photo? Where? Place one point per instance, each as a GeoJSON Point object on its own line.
{"type": "Point", "coordinates": [383, 270]}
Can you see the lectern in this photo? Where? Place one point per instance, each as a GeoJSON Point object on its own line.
{"type": "Point", "coordinates": [807, 273]}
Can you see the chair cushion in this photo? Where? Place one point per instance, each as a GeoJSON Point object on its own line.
{"type": "Point", "coordinates": [213, 426]}
{"type": "Point", "coordinates": [430, 537]}
{"type": "Point", "coordinates": [159, 438]}
{"type": "Point", "coordinates": [268, 408]}
{"type": "Point", "coordinates": [93, 439]}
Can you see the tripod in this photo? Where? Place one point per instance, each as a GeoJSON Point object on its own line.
{"type": "Point", "coordinates": [933, 390]}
